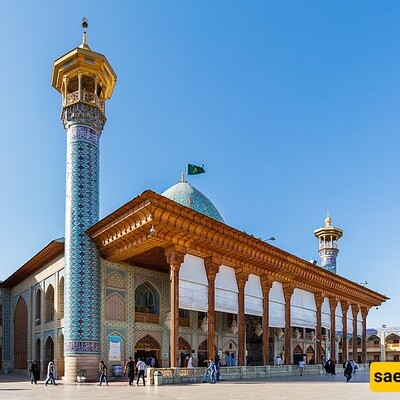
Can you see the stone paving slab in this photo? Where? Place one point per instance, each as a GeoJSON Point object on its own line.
{"type": "Point", "coordinates": [283, 388]}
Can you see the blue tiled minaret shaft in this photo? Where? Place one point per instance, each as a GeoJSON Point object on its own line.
{"type": "Point", "coordinates": [85, 79]}
{"type": "Point", "coordinates": [82, 270]}
{"type": "Point", "coordinates": [328, 237]}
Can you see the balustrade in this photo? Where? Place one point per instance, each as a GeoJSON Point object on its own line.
{"type": "Point", "coordinates": [88, 97]}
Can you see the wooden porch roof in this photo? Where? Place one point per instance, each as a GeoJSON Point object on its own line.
{"type": "Point", "coordinates": [139, 231]}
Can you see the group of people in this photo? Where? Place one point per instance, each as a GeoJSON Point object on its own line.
{"type": "Point", "coordinates": [129, 369]}
{"type": "Point", "coordinates": [35, 373]}
{"type": "Point", "coordinates": [212, 372]}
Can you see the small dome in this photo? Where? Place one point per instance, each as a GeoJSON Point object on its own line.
{"type": "Point", "coordinates": [185, 194]}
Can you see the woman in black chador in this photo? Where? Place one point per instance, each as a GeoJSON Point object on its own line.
{"type": "Point", "coordinates": [35, 373]}
{"type": "Point", "coordinates": [348, 370]}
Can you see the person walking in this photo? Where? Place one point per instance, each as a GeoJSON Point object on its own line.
{"type": "Point", "coordinates": [51, 374]}
{"type": "Point", "coordinates": [103, 373]}
{"type": "Point", "coordinates": [130, 368]}
{"type": "Point", "coordinates": [348, 370]}
{"type": "Point", "coordinates": [212, 371]}
{"type": "Point", "coordinates": [141, 369]}
{"type": "Point", "coordinates": [302, 363]}
{"type": "Point", "coordinates": [35, 373]}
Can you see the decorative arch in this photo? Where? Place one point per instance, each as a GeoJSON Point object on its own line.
{"type": "Point", "coordinates": [298, 350]}
{"type": "Point", "coordinates": [147, 343]}
{"type": "Point", "coordinates": [61, 298]}
{"type": "Point", "coordinates": [21, 334]}
{"type": "Point", "coordinates": [184, 344]}
{"type": "Point", "coordinates": [116, 281]}
{"type": "Point", "coordinates": [147, 299]}
{"type": "Point", "coordinates": [115, 307]}
{"type": "Point", "coordinates": [310, 354]}
{"type": "Point", "coordinates": [38, 307]}
{"type": "Point", "coordinates": [49, 304]}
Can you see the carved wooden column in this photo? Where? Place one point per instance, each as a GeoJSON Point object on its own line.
{"type": "Point", "coordinates": [364, 313]}
{"type": "Point", "coordinates": [319, 299]}
{"type": "Point", "coordinates": [332, 305]}
{"type": "Point", "coordinates": [287, 292]}
{"type": "Point", "coordinates": [241, 279]}
{"type": "Point", "coordinates": [266, 284]}
{"type": "Point", "coordinates": [354, 310]}
{"type": "Point", "coordinates": [174, 259]}
{"type": "Point", "coordinates": [345, 342]}
{"type": "Point", "coordinates": [212, 267]}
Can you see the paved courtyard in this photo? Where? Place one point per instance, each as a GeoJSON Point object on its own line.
{"type": "Point", "coordinates": [306, 387]}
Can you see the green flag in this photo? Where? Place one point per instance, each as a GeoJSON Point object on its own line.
{"type": "Point", "coordinates": [195, 169]}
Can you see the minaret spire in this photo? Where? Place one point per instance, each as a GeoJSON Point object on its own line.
{"type": "Point", "coordinates": [85, 25]}
{"type": "Point", "coordinates": [328, 237]}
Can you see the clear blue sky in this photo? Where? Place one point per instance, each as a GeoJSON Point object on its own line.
{"type": "Point", "coordinates": [293, 107]}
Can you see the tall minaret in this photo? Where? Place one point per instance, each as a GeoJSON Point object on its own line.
{"type": "Point", "coordinates": [328, 237]}
{"type": "Point", "coordinates": [85, 80]}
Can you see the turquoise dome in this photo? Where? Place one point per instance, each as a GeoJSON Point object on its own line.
{"type": "Point", "coordinates": [185, 194]}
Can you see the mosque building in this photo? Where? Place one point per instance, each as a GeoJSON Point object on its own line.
{"type": "Point", "coordinates": [164, 276]}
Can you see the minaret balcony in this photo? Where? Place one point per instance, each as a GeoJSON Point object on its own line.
{"type": "Point", "coordinates": [86, 97]}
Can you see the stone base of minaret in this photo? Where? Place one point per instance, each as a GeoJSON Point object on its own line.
{"type": "Point", "coordinates": [81, 362]}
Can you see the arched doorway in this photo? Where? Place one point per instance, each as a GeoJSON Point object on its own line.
{"type": "Point", "coordinates": [21, 335]}
{"type": "Point", "coordinates": [298, 355]}
{"type": "Point", "coordinates": [48, 352]}
{"type": "Point", "coordinates": [230, 353]}
{"type": "Point", "coordinates": [148, 347]}
{"type": "Point", "coordinates": [185, 351]}
{"type": "Point", "coordinates": [310, 353]}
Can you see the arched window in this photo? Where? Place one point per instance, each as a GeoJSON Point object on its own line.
{"type": "Point", "coordinates": [147, 299]}
{"type": "Point", "coordinates": [38, 307]}
{"type": "Point", "coordinates": [50, 303]}
{"type": "Point", "coordinates": [61, 298]}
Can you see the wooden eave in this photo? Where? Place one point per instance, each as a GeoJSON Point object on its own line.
{"type": "Point", "coordinates": [49, 253]}
{"type": "Point", "coordinates": [125, 234]}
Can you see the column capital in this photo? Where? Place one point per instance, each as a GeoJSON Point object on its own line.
{"type": "Point", "coordinates": [241, 278]}
{"type": "Point", "coordinates": [354, 310]}
{"type": "Point", "coordinates": [364, 312]}
{"type": "Point", "coordinates": [175, 256]}
{"type": "Point", "coordinates": [345, 306]}
{"type": "Point", "coordinates": [266, 284]}
{"type": "Point", "coordinates": [212, 265]}
{"type": "Point", "coordinates": [288, 290]}
{"type": "Point", "coordinates": [319, 299]}
{"type": "Point", "coordinates": [333, 302]}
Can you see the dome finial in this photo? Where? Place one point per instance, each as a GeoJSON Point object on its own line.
{"type": "Point", "coordinates": [183, 177]}
{"type": "Point", "coordinates": [328, 219]}
{"type": "Point", "coordinates": [84, 27]}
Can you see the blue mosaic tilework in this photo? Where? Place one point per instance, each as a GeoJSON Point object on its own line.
{"type": "Point", "coordinates": [185, 194]}
{"type": "Point", "coordinates": [328, 259]}
{"type": "Point", "coordinates": [82, 263]}
{"type": "Point", "coordinates": [7, 324]}
{"type": "Point", "coordinates": [83, 115]}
